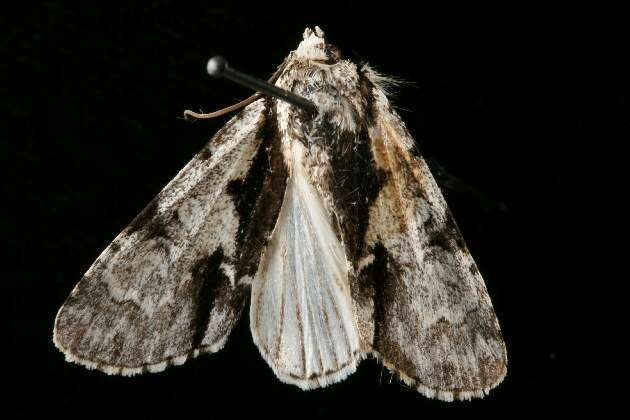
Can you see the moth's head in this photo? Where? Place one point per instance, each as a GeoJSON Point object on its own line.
{"type": "Point", "coordinates": [314, 47]}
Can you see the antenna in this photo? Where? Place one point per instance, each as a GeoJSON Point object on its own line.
{"type": "Point", "coordinates": [218, 67]}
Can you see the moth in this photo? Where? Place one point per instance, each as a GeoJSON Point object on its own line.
{"type": "Point", "coordinates": [323, 216]}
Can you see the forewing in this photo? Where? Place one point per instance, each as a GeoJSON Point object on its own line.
{"type": "Point", "coordinates": [301, 313]}
{"type": "Point", "coordinates": [434, 322]}
{"type": "Point", "coordinates": [168, 288]}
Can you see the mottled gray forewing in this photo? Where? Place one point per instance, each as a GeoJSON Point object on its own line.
{"type": "Point", "coordinates": [170, 286]}
{"type": "Point", "coordinates": [433, 320]}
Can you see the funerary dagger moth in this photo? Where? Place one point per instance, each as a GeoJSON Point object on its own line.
{"type": "Point", "coordinates": [324, 217]}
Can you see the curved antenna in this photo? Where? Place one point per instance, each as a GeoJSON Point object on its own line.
{"type": "Point", "coordinates": [218, 67]}
{"type": "Point", "coordinates": [223, 111]}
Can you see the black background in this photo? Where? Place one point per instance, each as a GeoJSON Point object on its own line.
{"type": "Point", "coordinates": [516, 101]}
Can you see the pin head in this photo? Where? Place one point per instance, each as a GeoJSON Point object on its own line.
{"type": "Point", "coordinates": [216, 66]}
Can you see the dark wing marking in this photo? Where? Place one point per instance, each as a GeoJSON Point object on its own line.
{"type": "Point", "coordinates": [168, 287]}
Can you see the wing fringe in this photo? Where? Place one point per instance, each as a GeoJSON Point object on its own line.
{"type": "Point", "coordinates": [314, 381]}
{"type": "Point", "coordinates": [135, 370]}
